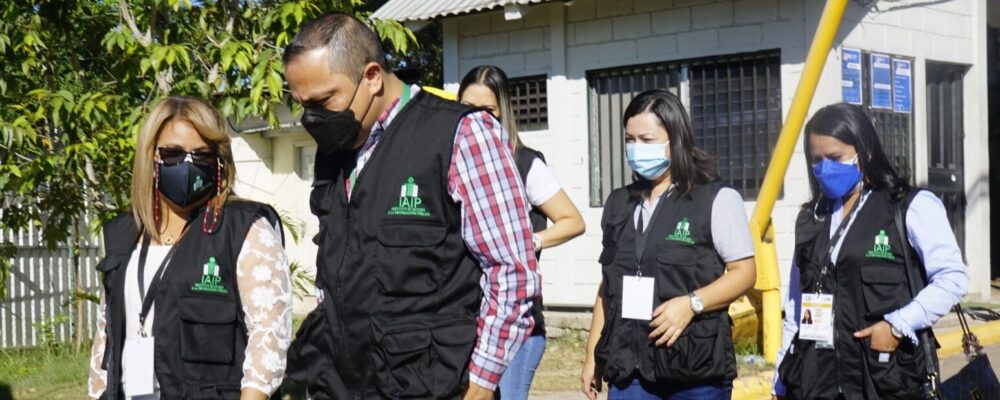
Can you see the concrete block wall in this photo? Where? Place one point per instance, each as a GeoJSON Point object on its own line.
{"type": "Point", "coordinates": [268, 171]}
{"type": "Point", "coordinates": [595, 34]}
{"type": "Point", "coordinates": [520, 45]}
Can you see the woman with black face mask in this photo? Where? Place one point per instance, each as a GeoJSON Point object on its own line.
{"type": "Point", "coordinates": [209, 266]}
{"type": "Point", "coordinates": [863, 241]}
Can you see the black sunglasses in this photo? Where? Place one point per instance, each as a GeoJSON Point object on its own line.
{"type": "Point", "coordinates": [174, 156]}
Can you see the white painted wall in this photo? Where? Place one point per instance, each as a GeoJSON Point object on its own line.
{"type": "Point", "coordinates": [566, 41]}
{"type": "Point", "coordinates": [268, 170]}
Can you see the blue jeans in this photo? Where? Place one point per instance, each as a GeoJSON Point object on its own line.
{"type": "Point", "coordinates": [641, 389]}
{"type": "Point", "coordinates": [516, 381]}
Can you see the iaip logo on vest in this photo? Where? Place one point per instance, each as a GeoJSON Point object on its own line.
{"type": "Point", "coordinates": [211, 281]}
{"type": "Point", "coordinates": [410, 204]}
{"type": "Point", "coordinates": [882, 249]}
{"type": "Point", "coordinates": [682, 233]}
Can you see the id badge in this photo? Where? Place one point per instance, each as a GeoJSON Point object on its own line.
{"type": "Point", "coordinates": [138, 361]}
{"type": "Point", "coordinates": [817, 319]}
{"type": "Point", "coordinates": [637, 298]}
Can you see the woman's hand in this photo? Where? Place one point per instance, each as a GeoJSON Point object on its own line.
{"type": "Point", "coordinates": [881, 337]}
{"type": "Point", "coordinates": [670, 319]}
{"type": "Point", "coordinates": [590, 379]}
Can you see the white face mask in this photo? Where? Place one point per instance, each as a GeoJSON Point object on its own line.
{"type": "Point", "coordinates": [648, 159]}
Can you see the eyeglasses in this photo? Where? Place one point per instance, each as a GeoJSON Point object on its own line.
{"type": "Point", "coordinates": [174, 156]}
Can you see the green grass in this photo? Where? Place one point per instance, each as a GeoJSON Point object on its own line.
{"type": "Point", "coordinates": [45, 373]}
{"type": "Point", "coordinates": [60, 373]}
{"type": "Point", "coordinates": [561, 364]}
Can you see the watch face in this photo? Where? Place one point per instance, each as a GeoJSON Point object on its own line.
{"type": "Point", "coordinates": [696, 304]}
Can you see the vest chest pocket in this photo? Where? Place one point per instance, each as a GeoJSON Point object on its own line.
{"type": "Point", "coordinates": [677, 271]}
{"type": "Point", "coordinates": [409, 262]}
{"type": "Point", "coordinates": [208, 329]}
{"type": "Point", "coordinates": [882, 289]}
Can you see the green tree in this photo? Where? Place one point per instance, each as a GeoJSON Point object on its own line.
{"type": "Point", "coordinates": [78, 76]}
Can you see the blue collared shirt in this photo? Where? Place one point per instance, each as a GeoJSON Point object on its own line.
{"type": "Point", "coordinates": [930, 234]}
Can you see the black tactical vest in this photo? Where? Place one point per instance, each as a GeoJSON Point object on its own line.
{"type": "Point", "coordinates": [681, 255]}
{"type": "Point", "coordinates": [868, 282]}
{"type": "Point", "coordinates": [402, 291]}
{"type": "Point", "coordinates": [524, 158]}
{"type": "Point", "coordinates": [199, 326]}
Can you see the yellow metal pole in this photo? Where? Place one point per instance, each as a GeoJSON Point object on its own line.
{"type": "Point", "coordinates": [768, 277]}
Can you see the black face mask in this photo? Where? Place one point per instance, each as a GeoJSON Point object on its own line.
{"type": "Point", "coordinates": [187, 182]}
{"type": "Point", "coordinates": [333, 131]}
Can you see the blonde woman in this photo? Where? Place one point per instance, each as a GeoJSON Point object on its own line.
{"type": "Point", "coordinates": [197, 295]}
{"type": "Point", "coordinates": [486, 87]}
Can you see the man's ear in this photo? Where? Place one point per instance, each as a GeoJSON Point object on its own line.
{"type": "Point", "coordinates": [372, 77]}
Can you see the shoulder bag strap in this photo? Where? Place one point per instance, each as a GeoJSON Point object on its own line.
{"type": "Point", "coordinates": [926, 342]}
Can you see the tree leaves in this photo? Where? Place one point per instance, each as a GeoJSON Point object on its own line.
{"type": "Point", "coordinates": [78, 78]}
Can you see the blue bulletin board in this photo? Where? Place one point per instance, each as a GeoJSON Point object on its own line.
{"type": "Point", "coordinates": [850, 76]}
{"type": "Point", "coordinates": [881, 70]}
{"type": "Point", "coordinates": [902, 82]}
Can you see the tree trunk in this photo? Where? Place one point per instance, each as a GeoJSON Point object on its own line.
{"type": "Point", "coordinates": [79, 327]}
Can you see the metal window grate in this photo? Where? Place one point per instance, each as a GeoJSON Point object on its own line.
{"type": "Point", "coordinates": [529, 102]}
{"type": "Point", "coordinates": [735, 106]}
{"type": "Point", "coordinates": [610, 91]}
{"type": "Point", "coordinates": [736, 114]}
{"type": "Point", "coordinates": [895, 130]}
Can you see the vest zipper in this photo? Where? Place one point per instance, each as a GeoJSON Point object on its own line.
{"type": "Point", "coordinates": [340, 293]}
{"type": "Point", "coordinates": [836, 350]}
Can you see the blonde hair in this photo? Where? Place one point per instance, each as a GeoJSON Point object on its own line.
{"type": "Point", "coordinates": [496, 80]}
{"type": "Point", "coordinates": [209, 124]}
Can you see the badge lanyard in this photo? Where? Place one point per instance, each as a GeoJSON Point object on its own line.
{"type": "Point", "coordinates": [819, 325]}
{"type": "Point", "coordinates": [638, 292]}
{"type": "Point", "coordinates": [640, 231]}
{"type": "Point", "coordinates": [834, 240]}
{"type": "Point", "coordinates": [147, 301]}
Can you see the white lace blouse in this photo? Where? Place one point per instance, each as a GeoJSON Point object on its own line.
{"type": "Point", "coordinates": [265, 288]}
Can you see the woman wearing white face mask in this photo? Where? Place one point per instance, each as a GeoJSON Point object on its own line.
{"type": "Point", "coordinates": [677, 251]}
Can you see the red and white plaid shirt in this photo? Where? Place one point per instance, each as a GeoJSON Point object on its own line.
{"type": "Point", "coordinates": [495, 227]}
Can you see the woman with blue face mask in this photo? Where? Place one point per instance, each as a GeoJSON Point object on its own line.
{"type": "Point", "coordinates": [676, 252]}
{"type": "Point", "coordinates": [861, 240]}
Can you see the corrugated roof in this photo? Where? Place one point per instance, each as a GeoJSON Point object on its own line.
{"type": "Point", "coordinates": [421, 10]}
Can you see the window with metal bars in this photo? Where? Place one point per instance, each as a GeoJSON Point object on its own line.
{"type": "Point", "coordinates": [735, 107]}
{"type": "Point", "coordinates": [895, 130]}
{"type": "Point", "coordinates": [529, 102]}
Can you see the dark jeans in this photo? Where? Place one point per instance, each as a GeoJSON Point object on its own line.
{"type": "Point", "coordinates": [641, 389]}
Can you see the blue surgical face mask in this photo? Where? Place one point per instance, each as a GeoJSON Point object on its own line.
{"type": "Point", "coordinates": [836, 178]}
{"type": "Point", "coordinates": [647, 159]}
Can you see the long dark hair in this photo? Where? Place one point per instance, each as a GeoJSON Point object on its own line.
{"type": "Point", "coordinates": [690, 166]}
{"type": "Point", "coordinates": [496, 80]}
{"type": "Point", "coordinates": [850, 124]}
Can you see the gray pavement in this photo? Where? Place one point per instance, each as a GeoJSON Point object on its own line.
{"type": "Point", "coordinates": [949, 367]}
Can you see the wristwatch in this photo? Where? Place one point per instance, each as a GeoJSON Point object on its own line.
{"type": "Point", "coordinates": [537, 241]}
{"type": "Point", "coordinates": [696, 304]}
{"type": "Point", "coordinates": [896, 333]}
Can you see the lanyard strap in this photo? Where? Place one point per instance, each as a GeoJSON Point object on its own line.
{"type": "Point", "coordinates": [405, 98]}
{"type": "Point", "coordinates": [640, 232]}
{"type": "Point", "coordinates": [353, 177]}
{"type": "Point", "coordinates": [147, 300]}
{"type": "Point", "coordinates": [837, 236]}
